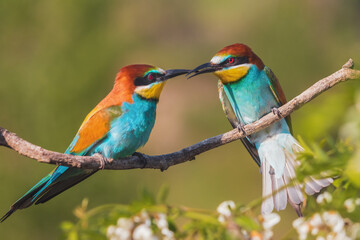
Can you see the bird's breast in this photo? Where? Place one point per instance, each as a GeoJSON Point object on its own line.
{"type": "Point", "coordinates": [131, 130]}
{"type": "Point", "coordinates": [251, 98]}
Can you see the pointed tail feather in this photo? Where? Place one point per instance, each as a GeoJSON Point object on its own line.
{"type": "Point", "coordinates": [267, 205]}
{"type": "Point", "coordinates": [11, 211]}
{"type": "Point", "coordinates": [27, 199]}
{"type": "Point", "coordinates": [280, 197]}
{"type": "Point", "coordinates": [313, 185]}
{"type": "Point", "coordinates": [61, 186]}
{"type": "Point", "coordinates": [50, 186]}
{"type": "Point", "coordinates": [271, 159]}
{"type": "Point", "coordinates": [294, 193]}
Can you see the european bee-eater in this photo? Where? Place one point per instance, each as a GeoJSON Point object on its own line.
{"type": "Point", "coordinates": [249, 90]}
{"type": "Point", "coordinates": [115, 128]}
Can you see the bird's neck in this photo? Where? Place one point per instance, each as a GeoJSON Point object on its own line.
{"type": "Point", "coordinates": [140, 107]}
{"type": "Point", "coordinates": [117, 96]}
{"type": "Point", "coordinates": [251, 74]}
{"type": "Point", "coordinates": [138, 99]}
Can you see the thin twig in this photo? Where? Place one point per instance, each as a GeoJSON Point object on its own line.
{"type": "Point", "coordinates": [12, 141]}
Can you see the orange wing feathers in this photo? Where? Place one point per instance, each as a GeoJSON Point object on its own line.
{"type": "Point", "coordinates": [97, 122]}
{"type": "Point", "coordinates": [93, 129]}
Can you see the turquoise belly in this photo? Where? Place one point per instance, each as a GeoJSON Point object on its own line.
{"type": "Point", "coordinates": [130, 131]}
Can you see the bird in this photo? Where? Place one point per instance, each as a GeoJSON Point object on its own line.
{"type": "Point", "coordinates": [115, 128]}
{"type": "Point", "coordinates": [248, 90]}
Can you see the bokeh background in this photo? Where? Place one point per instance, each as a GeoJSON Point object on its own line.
{"type": "Point", "coordinates": [58, 59]}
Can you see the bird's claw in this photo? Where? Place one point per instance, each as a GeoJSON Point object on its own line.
{"type": "Point", "coordinates": [276, 112]}
{"type": "Point", "coordinates": [103, 160]}
{"type": "Point", "coordinates": [241, 129]}
{"type": "Point", "coordinates": [141, 157]}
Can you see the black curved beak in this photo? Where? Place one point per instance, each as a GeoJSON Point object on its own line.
{"type": "Point", "coordinates": [170, 73]}
{"type": "Point", "coordinates": [204, 68]}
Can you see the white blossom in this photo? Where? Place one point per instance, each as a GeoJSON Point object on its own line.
{"type": "Point", "coordinates": [297, 222]}
{"type": "Point", "coordinates": [326, 226]}
{"type": "Point", "coordinates": [270, 220]}
{"type": "Point", "coordinates": [302, 227]}
{"type": "Point", "coordinates": [161, 221]}
{"type": "Point", "coordinates": [225, 208]}
{"type": "Point", "coordinates": [143, 217]}
{"type": "Point", "coordinates": [334, 220]}
{"type": "Point", "coordinates": [349, 204]}
{"type": "Point", "coordinates": [143, 232]}
{"type": "Point", "coordinates": [122, 234]}
{"type": "Point", "coordinates": [268, 234]}
{"type": "Point", "coordinates": [118, 233]}
{"type": "Point", "coordinates": [315, 220]}
{"type": "Point", "coordinates": [110, 230]}
{"type": "Point", "coordinates": [168, 235]}
{"type": "Point", "coordinates": [324, 198]}
{"type": "Point", "coordinates": [221, 219]}
{"type": "Point", "coordinates": [125, 223]}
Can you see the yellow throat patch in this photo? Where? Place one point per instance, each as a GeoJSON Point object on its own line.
{"type": "Point", "coordinates": [150, 92]}
{"type": "Point", "coordinates": [232, 74]}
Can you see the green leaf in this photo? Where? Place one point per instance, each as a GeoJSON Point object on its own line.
{"type": "Point", "coordinates": [248, 223]}
{"type": "Point", "coordinates": [353, 169]}
{"type": "Point", "coordinates": [201, 217]}
{"type": "Point", "coordinates": [147, 197]}
{"type": "Point", "coordinates": [162, 194]}
{"type": "Point", "coordinates": [66, 226]}
{"type": "Point", "coordinates": [337, 182]}
{"type": "Point", "coordinates": [73, 235]}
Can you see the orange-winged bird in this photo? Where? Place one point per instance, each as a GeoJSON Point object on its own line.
{"type": "Point", "coordinates": [115, 128]}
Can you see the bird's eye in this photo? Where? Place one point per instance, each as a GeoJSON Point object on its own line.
{"type": "Point", "coordinates": [231, 60]}
{"type": "Point", "coordinates": [151, 77]}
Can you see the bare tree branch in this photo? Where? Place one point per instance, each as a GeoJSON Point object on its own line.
{"type": "Point", "coordinates": [12, 141]}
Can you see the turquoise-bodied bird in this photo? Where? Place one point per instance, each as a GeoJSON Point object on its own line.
{"type": "Point", "coordinates": [249, 90]}
{"type": "Point", "coordinates": [115, 128]}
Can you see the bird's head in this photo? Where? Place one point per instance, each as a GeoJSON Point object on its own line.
{"type": "Point", "coordinates": [145, 80]}
{"type": "Point", "coordinates": [231, 63]}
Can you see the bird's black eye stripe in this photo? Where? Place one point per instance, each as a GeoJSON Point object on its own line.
{"type": "Point", "coordinates": [141, 81]}
{"type": "Point", "coordinates": [148, 79]}
{"type": "Point", "coordinates": [232, 61]}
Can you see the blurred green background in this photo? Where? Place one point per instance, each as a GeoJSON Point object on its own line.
{"type": "Point", "coordinates": [58, 59]}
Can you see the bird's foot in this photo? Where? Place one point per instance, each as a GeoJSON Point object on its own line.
{"type": "Point", "coordinates": [141, 157]}
{"type": "Point", "coordinates": [276, 112]}
{"type": "Point", "coordinates": [103, 160]}
{"type": "Point", "coordinates": [241, 129]}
